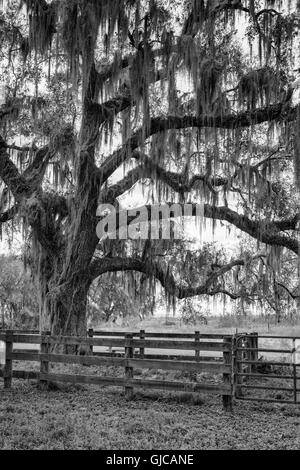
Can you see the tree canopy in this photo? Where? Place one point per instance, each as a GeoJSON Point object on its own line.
{"type": "Point", "coordinates": [195, 100]}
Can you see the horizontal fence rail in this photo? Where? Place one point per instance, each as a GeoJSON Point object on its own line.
{"type": "Point", "coordinates": [113, 342]}
{"type": "Point", "coordinates": [159, 335]}
{"type": "Point", "coordinates": [147, 334]}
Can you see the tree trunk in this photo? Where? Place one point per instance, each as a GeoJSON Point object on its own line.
{"type": "Point", "coordinates": [63, 304]}
{"type": "Point", "coordinates": [68, 311]}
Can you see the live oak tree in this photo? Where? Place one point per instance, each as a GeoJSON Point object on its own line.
{"type": "Point", "coordinates": [155, 91]}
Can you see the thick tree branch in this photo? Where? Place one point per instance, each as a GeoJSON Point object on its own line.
{"type": "Point", "coordinates": [107, 73]}
{"type": "Point", "coordinates": [9, 214]}
{"type": "Point", "coordinates": [23, 186]}
{"type": "Point", "coordinates": [291, 294]}
{"type": "Point", "coordinates": [167, 280]}
{"type": "Point", "coordinates": [264, 231]}
{"type": "Point", "coordinates": [230, 121]}
{"type": "Point", "coordinates": [110, 108]}
{"type": "Point", "coordinates": [36, 170]}
{"type": "Point", "coordinates": [8, 111]}
{"type": "Point", "coordinates": [16, 183]}
{"type": "Point", "coordinates": [182, 184]}
{"type": "Point", "coordinates": [288, 224]}
{"type": "Point", "coordinates": [148, 169]}
{"type": "Point", "coordinates": [194, 21]}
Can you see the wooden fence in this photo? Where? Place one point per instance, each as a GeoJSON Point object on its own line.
{"type": "Point", "coordinates": [235, 358]}
{"type": "Point", "coordinates": [127, 358]}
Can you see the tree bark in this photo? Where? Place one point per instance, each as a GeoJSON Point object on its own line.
{"type": "Point", "coordinates": [67, 311]}
{"type": "Point", "coordinates": [63, 299]}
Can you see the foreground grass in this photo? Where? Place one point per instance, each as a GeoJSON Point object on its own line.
{"type": "Point", "coordinates": [101, 418]}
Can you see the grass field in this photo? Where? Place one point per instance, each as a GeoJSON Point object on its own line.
{"type": "Point", "coordinates": [220, 324]}
{"type": "Point", "coordinates": [90, 417]}
{"type": "Point", "coordinates": [97, 418]}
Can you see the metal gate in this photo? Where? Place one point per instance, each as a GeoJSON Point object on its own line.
{"type": "Point", "coordinates": [266, 368]}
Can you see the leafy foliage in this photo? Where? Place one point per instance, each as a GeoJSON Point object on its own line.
{"type": "Point", "coordinates": [162, 89]}
{"type": "Point", "coordinates": [18, 298]}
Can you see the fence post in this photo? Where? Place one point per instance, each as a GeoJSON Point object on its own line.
{"type": "Point", "coordinates": [234, 364]}
{"type": "Point", "coordinates": [227, 358]}
{"type": "Point", "coordinates": [44, 364]}
{"type": "Point", "coordinates": [197, 341]}
{"type": "Point", "coordinates": [90, 335]}
{"type": "Point", "coordinates": [8, 360]}
{"type": "Point", "coordinates": [238, 367]}
{"type": "Point", "coordinates": [241, 379]}
{"type": "Point", "coordinates": [248, 345]}
{"type": "Point", "coordinates": [294, 371]}
{"type": "Point", "coordinates": [142, 337]}
{"type": "Point", "coordinates": [128, 370]}
{"type": "Point", "coordinates": [254, 346]}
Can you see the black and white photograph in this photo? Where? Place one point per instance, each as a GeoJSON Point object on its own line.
{"type": "Point", "coordinates": [149, 228]}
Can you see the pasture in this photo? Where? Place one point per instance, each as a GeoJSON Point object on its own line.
{"type": "Point", "coordinates": [81, 417]}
